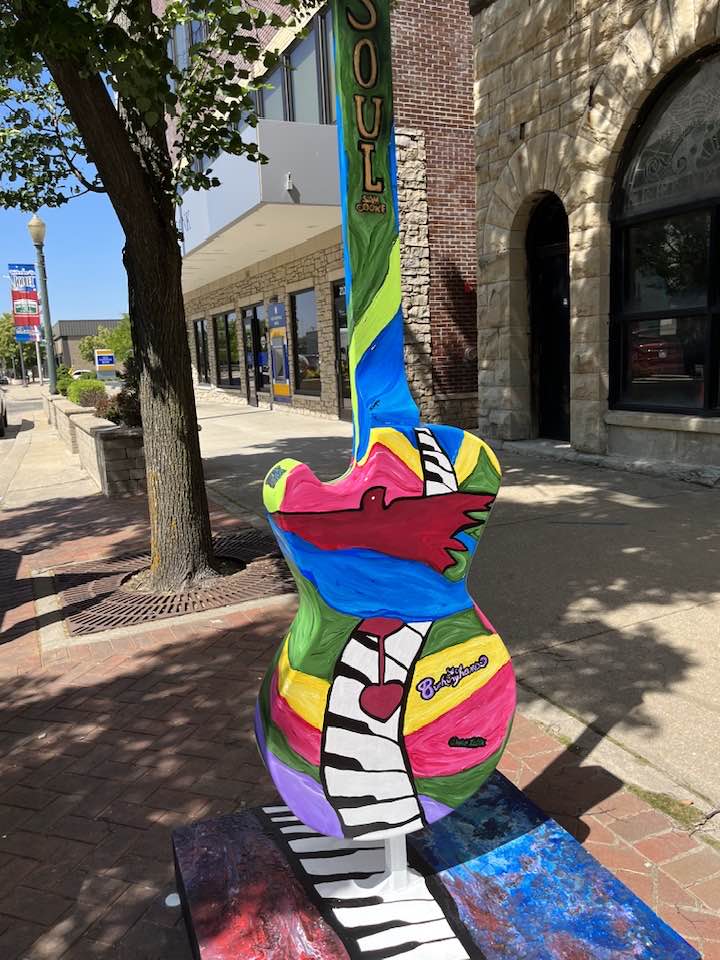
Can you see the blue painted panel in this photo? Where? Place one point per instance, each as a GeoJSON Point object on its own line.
{"type": "Point", "coordinates": [524, 888]}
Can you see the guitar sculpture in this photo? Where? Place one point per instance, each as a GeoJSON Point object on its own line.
{"type": "Point", "coordinates": [390, 700]}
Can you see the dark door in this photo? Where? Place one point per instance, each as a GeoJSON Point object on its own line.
{"type": "Point", "coordinates": [342, 360]}
{"type": "Point", "coordinates": [252, 349]}
{"type": "Point", "coordinates": [548, 253]}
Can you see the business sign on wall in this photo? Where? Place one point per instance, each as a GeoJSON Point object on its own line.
{"type": "Point", "coordinates": [25, 301]}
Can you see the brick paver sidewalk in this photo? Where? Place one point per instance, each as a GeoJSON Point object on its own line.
{"type": "Point", "coordinates": [109, 746]}
{"type": "Point", "coordinates": [105, 747]}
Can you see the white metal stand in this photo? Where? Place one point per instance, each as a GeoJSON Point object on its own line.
{"type": "Point", "coordinates": [396, 863]}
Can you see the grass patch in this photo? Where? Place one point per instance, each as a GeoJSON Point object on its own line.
{"type": "Point", "coordinates": [686, 815]}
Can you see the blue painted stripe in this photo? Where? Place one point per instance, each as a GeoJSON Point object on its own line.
{"type": "Point", "coordinates": [384, 398]}
{"type": "Point", "coordinates": [449, 438]}
{"type": "Point", "coordinates": [366, 583]}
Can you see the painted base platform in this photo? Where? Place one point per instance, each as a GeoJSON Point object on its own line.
{"type": "Point", "coordinates": [497, 879]}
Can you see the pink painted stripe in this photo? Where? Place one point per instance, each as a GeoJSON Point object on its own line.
{"type": "Point", "coordinates": [302, 737]}
{"type": "Point", "coordinates": [304, 493]}
{"type": "Point", "coordinates": [486, 713]}
{"type": "Point", "coordinates": [483, 619]}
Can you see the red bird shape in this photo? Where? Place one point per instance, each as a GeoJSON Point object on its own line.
{"type": "Point", "coordinates": [411, 528]}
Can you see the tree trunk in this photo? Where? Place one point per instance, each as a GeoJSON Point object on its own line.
{"type": "Point", "coordinates": [181, 543]}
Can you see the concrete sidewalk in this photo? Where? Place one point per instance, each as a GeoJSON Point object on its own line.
{"type": "Point", "coordinates": [109, 742]}
{"type": "Point", "coordinates": [604, 585]}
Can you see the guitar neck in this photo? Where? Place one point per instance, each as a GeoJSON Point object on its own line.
{"type": "Point", "coordinates": [370, 219]}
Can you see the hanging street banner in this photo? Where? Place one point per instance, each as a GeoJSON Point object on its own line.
{"type": "Point", "coordinates": [25, 301]}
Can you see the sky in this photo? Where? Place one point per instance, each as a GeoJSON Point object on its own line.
{"type": "Point", "coordinates": [83, 257]}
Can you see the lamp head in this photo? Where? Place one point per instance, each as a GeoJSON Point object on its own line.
{"type": "Point", "coordinates": [36, 228]}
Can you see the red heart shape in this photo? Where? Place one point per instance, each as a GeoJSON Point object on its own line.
{"type": "Point", "coordinates": [381, 700]}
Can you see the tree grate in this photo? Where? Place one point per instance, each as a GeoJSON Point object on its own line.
{"type": "Point", "coordinates": [93, 596]}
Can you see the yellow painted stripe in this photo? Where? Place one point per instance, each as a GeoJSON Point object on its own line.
{"type": "Point", "coordinates": [469, 454]}
{"type": "Point", "coordinates": [398, 443]}
{"type": "Point", "coordinates": [420, 712]}
{"type": "Point", "coordinates": [273, 496]}
{"type": "Point", "coordinates": [306, 695]}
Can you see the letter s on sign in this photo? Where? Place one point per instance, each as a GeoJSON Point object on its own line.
{"type": "Point", "coordinates": [369, 24]}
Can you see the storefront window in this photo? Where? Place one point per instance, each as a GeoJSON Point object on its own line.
{"type": "Point", "coordinates": [227, 350]}
{"type": "Point", "coordinates": [306, 349]}
{"type": "Point", "coordinates": [263, 354]}
{"type": "Point", "coordinates": [201, 351]}
{"type": "Point", "coordinates": [665, 332]}
{"type": "Point", "coordinates": [342, 342]}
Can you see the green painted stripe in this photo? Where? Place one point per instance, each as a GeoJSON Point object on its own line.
{"type": "Point", "coordinates": [453, 630]}
{"type": "Point", "coordinates": [318, 633]}
{"type": "Point", "coordinates": [483, 479]}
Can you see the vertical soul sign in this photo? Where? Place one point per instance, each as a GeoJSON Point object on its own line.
{"type": "Point", "coordinates": [365, 72]}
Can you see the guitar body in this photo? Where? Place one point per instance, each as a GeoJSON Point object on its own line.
{"type": "Point", "coordinates": [390, 700]}
{"type": "Point", "coordinates": [391, 697]}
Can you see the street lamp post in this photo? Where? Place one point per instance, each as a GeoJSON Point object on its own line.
{"type": "Point", "coordinates": [36, 228]}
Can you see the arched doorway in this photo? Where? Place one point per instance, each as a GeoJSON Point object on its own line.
{"type": "Point", "coordinates": [548, 254]}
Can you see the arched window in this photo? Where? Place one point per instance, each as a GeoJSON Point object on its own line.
{"type": "Point", "coordinates": [665, 330]}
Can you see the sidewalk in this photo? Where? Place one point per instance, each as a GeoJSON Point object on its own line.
{"type": "Point", "coordinates": [107, 745]}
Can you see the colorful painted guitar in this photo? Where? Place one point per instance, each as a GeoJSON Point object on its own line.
{"type": "Point", "coordinates": [391, 698]}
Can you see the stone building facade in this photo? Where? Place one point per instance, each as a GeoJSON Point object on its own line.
{"type": "Point", "coordinates": [597, 129]}
{"type": "Point", "coordinates": [432, 48]}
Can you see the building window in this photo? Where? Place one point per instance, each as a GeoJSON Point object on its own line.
{"type": "Point", "coordinates": [273, 95]}
{"type": "Point", "coordinates": [201, 351]}
{"type": "Point", "coordinates": [328, 62]}
{"type": "Point", "coordinates": [198, 31]}
{"type": "Point", "coordinates": [305, 342]}
{"type": "Point", "coordinates": [301, 87]}
{"type": "Point", "coordinates": [304, 80]}
{"type": "Point", "coordinates": [665, 322]}
{"type": "Point", "coordinates": [227, 350]}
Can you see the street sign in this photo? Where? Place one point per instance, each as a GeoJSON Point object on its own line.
{"type": "Point", "coordinates": [25, 301]}
{"type": "Point", "coordinates": [24, 334]}
{"type": "Point", "coordinates": [105, 364]}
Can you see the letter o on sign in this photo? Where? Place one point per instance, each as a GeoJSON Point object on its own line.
{"type": "Point", "coordinates": [365, 68]}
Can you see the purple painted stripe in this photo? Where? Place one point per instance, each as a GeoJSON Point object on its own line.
{"type": "Point", "coordinates": [433, 809]}
{"type": "Point", "coordinates": [305, 797]}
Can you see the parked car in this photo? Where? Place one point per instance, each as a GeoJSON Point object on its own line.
{"type": "Point", "coordinates": [3, 411]}
{"type": "Point", "coordinates": [654, 357]}
{"type": "Point", "coordinates": [79, 374]}
{"type": "Point", "coordinates": [4, 382]}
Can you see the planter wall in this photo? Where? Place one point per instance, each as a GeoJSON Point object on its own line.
{"type": "Point", "coordinates": [112, 455]}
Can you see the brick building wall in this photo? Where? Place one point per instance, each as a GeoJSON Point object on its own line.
{"type": "Point", "coordinates": [432, 69]}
